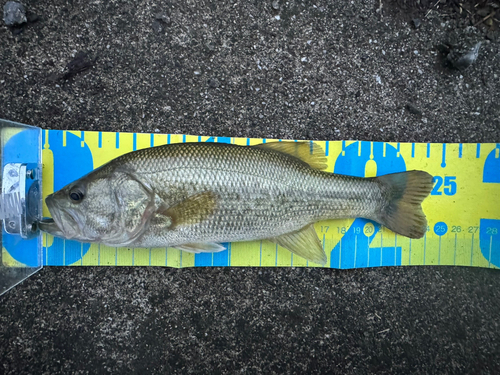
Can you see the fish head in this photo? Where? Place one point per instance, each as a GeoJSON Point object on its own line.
{"type": "Point", "coordinates": [108, 208]}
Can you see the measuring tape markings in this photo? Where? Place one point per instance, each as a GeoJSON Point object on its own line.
{"type": "Point", "coordinates": [357, 243]}
{"type": "Point", "coordinates": [285, 258]}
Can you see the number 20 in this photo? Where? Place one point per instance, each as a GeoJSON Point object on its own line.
{"type": "Point", "coordinates": [448, 188]}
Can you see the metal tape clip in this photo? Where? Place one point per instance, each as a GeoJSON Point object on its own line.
{"type": "Point", "coordinates": [20, 202]}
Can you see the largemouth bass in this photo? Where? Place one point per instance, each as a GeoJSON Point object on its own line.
{"type": "Point", "coordinates": [193, 196]}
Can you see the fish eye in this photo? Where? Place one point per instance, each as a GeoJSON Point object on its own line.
{"type": "Point", "coordinates": [76, 195]}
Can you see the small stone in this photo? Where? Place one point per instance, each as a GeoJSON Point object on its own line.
{"type": "Point", "coordinates": [413, 109]}
{"type": "Point", "coordinates": [17, 30]}
{"type": "Point", "coordinates": [32, 18]}
{"type": "Point", "coordinates": [492, 35]}
{"type": "Point", "coordinates": [465, 60]}
{"type": "Point", "coordinates": [14, 13]}
{"type": "Point", "coordinates": [162, 16]}
{"type": "Point", "coordinates": [483, 12]}
{"type": "Point", "coordinates": [444, 48]}
{"type": "Point", "coordinates": [79, 64]}
{"type": "Point", "coordinates": [276, 5]}
{"type": "Point", "coordinates": [157, 27]}
{"type": "Point", "coordinates": [213, 83]}
{"type": "Point", "coordinates": [210, 46]}
{"type": "Point", "coordinates": [416, 22]}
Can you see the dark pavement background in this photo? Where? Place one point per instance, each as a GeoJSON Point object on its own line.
{"type": "Point", "coordinates": [306, 70]}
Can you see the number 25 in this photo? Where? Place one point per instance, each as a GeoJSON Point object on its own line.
{"type": "Point", "coordinates": [449, 187]}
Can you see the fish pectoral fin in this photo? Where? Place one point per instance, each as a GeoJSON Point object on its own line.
{"type": "Point", "coordinates": [161, 220]}
{"type": "Point", "coordinates": [304, 243]}
{"type": "Point", "coordinates": [308, 152]}
{"type": "Point", "coordinates": [206, 247]}
{"type": "Point", "coordinates": [190, 211]}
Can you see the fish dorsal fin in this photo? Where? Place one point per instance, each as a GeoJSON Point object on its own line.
{"type": "Point", "coordinates": [190, 211]}
{"type": "Point", "coordinates": [205, 247]}
{"type": "Point", "coordinates": [308, 152]}
{"type": "Point", "coordinates": [304, 243]}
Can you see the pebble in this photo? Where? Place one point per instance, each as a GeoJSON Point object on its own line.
{"type": "Point", "coordinates": [276, 5]}
{"type": "Point", "coordinates": [210, 46]}
{"type": "Point", "coordinates": [163, 17]}
{"type": "Point", "coordinates": [213, 83]}
{"type": "Point", "coordinates": [413, 109]}
{"type": "Point", "coordinates": [157, 27]}
{"type": "Point", "coordinates": [416, 22]}
{"type": "Point", "coordinates": [483, 12]}
{"type": "Point", "coordinates": [14, 13]}
{"type": "Point", "coordinates": [466, 59]}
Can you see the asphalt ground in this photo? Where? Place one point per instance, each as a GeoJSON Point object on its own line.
{"type": "Point", "coordinates": [302, 70]}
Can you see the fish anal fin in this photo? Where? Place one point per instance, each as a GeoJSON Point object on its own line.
{"type": "Point", "coordinates": [192, 210]}
{"type": "Point", "coordinates": [206, 247]}
{"type": "Point", "coordinates": [309, 152]}
{"type": "Point", "coordinates": [304, 243]}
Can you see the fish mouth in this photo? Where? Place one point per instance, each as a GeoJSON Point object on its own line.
{"type": "Point", "coordinates": [49, 225]}
{"type": "Point", "coordinates": [64, 223]}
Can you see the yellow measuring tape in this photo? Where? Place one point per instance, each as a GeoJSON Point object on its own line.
{"type": "Point", "coordinates": [463, 210]}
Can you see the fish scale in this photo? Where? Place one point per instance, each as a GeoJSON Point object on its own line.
{"type": "Point", "coordinates": [280, 195]}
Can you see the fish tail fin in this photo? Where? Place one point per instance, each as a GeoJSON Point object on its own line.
{"type": "Point", "coordinates": [402, 211]}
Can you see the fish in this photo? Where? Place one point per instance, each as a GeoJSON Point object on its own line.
{"type": "Point", "coordinates": [195, 196]}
